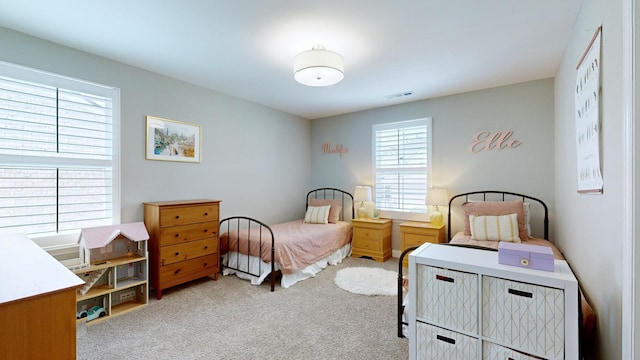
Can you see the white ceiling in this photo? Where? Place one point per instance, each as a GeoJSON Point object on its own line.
{"type": "Point", "coordinates": [245, 48]}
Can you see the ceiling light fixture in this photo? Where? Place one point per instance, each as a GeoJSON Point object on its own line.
{"type": "Point", "coordinates": [318, 67]}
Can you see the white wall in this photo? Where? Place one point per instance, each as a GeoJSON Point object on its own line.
{"type": "Point", "coordinates": [253, 157]}
{"type": "Point", "coordinates": [588, 226]}
{"type": "Point", "coordinates": [526, 109]}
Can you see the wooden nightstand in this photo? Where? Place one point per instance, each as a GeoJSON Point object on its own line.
{"type": "Point", "coordinates": [416, 233]}
{"type": "Point", "coordinates": [372, 238]}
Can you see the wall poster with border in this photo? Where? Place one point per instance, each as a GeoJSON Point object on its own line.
{"type": "Point", "coordinates": [587, 115]}
{"type": "Point", "coordinates": [172, 140]}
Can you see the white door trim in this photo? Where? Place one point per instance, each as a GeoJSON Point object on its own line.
{"type": "Point", "coordinates": [631, 162]}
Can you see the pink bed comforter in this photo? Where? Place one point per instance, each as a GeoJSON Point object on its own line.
{"type": "Point", "coordinates": [297, 244]}
{"type": "Point", "coordinates": [461, 238]}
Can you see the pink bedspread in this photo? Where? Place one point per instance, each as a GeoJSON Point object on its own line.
{"type": "Point", "coordinates": [297, 244]}
{"type": "Point", "coordinates": [461, 238]}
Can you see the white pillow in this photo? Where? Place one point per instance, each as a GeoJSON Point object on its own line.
{"type": "Point", "coordinates": [494, 228]}
{"type": "Point", "coordinates": [317, 214]}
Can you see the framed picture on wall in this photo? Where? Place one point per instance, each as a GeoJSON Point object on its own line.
{"type": "Point", "coordinates": [172, 140]}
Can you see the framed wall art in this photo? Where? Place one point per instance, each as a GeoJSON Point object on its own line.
{"type": "Point", "coordinates": [587, 116]}
{"type": "Point", "coordinates": [172, 140]}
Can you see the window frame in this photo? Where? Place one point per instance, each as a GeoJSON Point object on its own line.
{"type": "Point", "coordinates": [428, 121]}
{"type": "Point", "coordinates": [45, 78]}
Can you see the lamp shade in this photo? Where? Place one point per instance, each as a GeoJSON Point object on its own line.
{"type": "Point", "coordinates": [363, 193]}
{"type": "Point", "coordinates": [318, 67]}
{"type": "Point", "coordinates": [437, 197]}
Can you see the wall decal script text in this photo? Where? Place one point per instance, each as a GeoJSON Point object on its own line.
{"type": "Point", "coordinates": [485, 140]}
{"type": "Point", "coordinates": [338, 149]}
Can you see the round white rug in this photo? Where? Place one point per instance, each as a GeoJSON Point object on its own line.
{"type": "Point", "coordinates": [367, 281]}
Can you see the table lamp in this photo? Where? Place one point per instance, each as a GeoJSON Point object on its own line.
{"type": "Point", "coordinates": [436, 197]}
{"type": "Point", "coordinates": [362, 194]}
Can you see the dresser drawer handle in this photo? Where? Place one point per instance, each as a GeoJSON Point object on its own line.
{"type": "Point", "coordinates": [205, 264]}
{"type": "Point", "coordinates": [177, 216]}
{"type": "Point", "coordinates": [177, 235]}
{"type": "Point", "coordinates": [177, 271]}
{"type": "Point", "coordinates": [445, 278]}
{"type": "Point", "coordinates": [520, 293]}
{"type": "Point", "coordinates": [177, 253]}
{"type": "Point", "coordinates": [206, 214]}
{"type": "Point", "coordinates": [206, 230]}
{"type": "Point", "coordinates": [446, 339]}
{"type": "Point", "coordinates": [206, 247]}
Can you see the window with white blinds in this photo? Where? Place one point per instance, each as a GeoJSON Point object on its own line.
{"type": "Point", "coordinates": [402, 161]}
{"type": "Point", "coordinates": [59, 158]}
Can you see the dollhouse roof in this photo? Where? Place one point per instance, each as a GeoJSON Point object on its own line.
{"type": "Point", "coordinates": [97, 237]}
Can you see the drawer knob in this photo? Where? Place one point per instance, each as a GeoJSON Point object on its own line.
{"type": "Point", "coordinates": [524, 262]}
{"type": "Point", "coordinates": [177, 253]}
{"type": "Point", "coordinates": [177, 235]}
{"type": "Point", "coordinates": [206, 247]}
{"type": "Point", "coordinates": [177, 271]}
{"type": "Point", "coordinates": [206, 214]}
{"type": "Point", "coordinates": [205, 264]}
{"type": "Point", "coordinates": [206, 230]}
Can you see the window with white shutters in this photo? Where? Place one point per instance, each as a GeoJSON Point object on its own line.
{"type": "Point", "coordinates": [59, 159]}
{"type": "Point", "coordinates": [402, 164]}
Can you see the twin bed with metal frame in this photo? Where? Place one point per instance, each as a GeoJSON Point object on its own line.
{"type": "Point", "coordinates": [293, 251]}
{"type": "Point", "coordinates": [536, 221]}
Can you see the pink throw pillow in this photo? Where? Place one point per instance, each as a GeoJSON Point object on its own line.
{"type": "Point", "coordinates": [334, 211]}
{"type": "Point", "coordinates": [495, 208]}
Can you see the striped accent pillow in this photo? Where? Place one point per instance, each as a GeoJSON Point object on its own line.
{"type": "Point", "coordinates": [494, 228]}
{"type": "Point", "coordinates": [317, 214]}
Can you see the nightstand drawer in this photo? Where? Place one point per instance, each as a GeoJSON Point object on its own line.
{"type": "Point", "coordinates": [186, 251]}
{"type": "Point", "coordinates": [417, 240]}
{"type": "Point", "coordinates": [184, 271]}
{"type": "Point", "coordinates": [188, 215]}
{"type": "Point", "coordinates": [367, 244]}
{"type": "Point", "coordinates": [185, 233]}
{"type": "Point", "coordinates": [368, 234]}
{"type": "Point", "coordinates": [448, 298]}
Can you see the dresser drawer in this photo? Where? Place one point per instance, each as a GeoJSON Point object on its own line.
{"type": "Point", "coordinates": [491, 351]}
{"type": "Point", "coordinates": [437, 343]}
{"type": "Point", "coordinates": [183, 271]}
{"type": "Point", "coordinates": [186, 251]}
{"type": "Point", "coordinates": [530, 317]}
{"type": "Point", "coordinates": [367, 234]}
{"type": "Point", "coordinates": [416, 240]}
{"type": "Point", "coordinates": [173, 216]}
{"type": "Point", "coordinates": [448, 298]}
{"type": "Point", "coordinates": [185, 233]}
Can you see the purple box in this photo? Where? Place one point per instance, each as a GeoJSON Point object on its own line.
{"type": "Point", "coordinates": [526, 256]}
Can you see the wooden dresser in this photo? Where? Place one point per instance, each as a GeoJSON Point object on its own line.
{"type": "Point", "coordinates": [183, 241]}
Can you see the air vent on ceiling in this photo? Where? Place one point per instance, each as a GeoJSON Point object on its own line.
{"type": "Point", "coordinates": [399, 95]}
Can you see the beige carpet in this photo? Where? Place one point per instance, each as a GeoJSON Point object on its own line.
{"type": "Point", "coordinates": [231, 319]}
